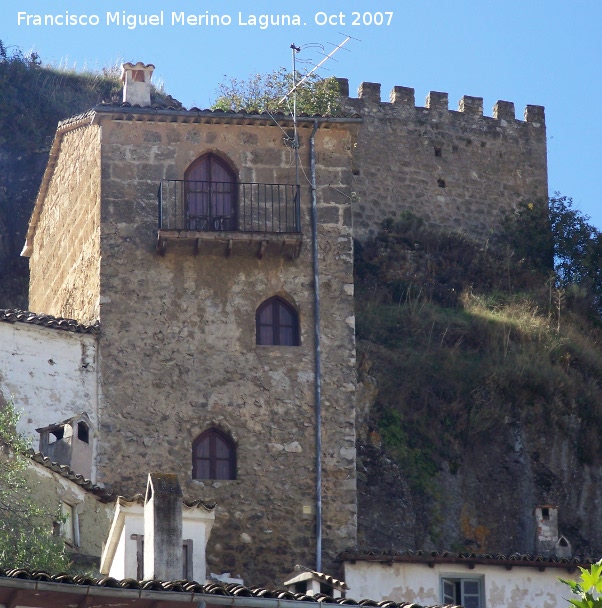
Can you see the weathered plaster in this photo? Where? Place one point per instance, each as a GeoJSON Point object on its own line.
{"type": "Point", "coordinates": [49, 374]}
{"type": "Point", "coordinates": [520, 587]}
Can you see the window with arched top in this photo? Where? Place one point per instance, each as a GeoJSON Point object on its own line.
{"type": "Point", "coordinates": [213, 456]}
{"type": "Point", "coordinates": [277, 323]}
{"type": "Point", "coordinates": [211, 192]}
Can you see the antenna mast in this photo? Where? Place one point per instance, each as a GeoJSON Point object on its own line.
{"type": "Point", "coordinates": [295, 50]}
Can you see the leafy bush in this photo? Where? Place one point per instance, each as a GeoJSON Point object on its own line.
{"type": "Point", "coordinates": [26, 539]}
{"type": "Point", "coordinates": [261, 92]}
{"type": "Point", "coordinates": [588, 588]}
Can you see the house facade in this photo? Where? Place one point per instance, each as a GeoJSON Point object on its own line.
{"type": "Point", "coordinates": [473, 581]}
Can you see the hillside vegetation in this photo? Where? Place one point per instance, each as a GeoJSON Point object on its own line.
{"type": "Point", "coordinates": [473, 354]}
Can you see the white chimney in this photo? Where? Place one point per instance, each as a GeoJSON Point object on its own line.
{"type": "Point", "coordinates": [136, 80]}
{"type": "Point", "coordinates": [163, 527]}
{"type": "Point", "coordinates": [136, 521]}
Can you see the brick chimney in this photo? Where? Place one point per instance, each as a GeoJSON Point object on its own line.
{"type": "Point", "coordinates": [136, 80]}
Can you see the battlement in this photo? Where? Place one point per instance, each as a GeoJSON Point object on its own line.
{"type": "Point", "coordinates": [369, 95]}
{"type": "Point", "coordinates": [456, 169]}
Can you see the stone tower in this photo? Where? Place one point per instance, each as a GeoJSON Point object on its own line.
{"type": "Point", "coordinates": [185, 234]}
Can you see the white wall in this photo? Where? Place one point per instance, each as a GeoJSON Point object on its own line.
{"type": "Point", "coordinates": [50, 374]}
{"type": "Point", "coordinates": [520, 587]}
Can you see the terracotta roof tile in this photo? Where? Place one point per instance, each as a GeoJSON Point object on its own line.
{"type": "Point", "coordinates": [180, 586]}
{"type": "Point", "coordinates": [64, 471]}
{"type": "Point", "coordinates": [218, 112]}
{"type": "Point", "coordinates": [14, 315]}
{"type": "Point", "coordinates": [439, 557]}
{"type": "Point", "coordinates": [139, 498]}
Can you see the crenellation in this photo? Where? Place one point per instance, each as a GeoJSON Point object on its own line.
{"type": "Point", "coordinates": [535, 114]}
{"type": "Point", "coordinates": [369, 91]}
{"type": "Point", "coordinates": [504, 110]}
{"type": "Point", "coordinates": [432, 160]}
{"type": "Point", "coordinates": [436, 100]}
{"type": "Point", "coordinates": [471, 105]}
{"type": "Point", "coordinates": [403, 96]}
{"type": "Point", "coordinates": [400, 97]}
{"type": "Point", "coordinates": [343, 87]}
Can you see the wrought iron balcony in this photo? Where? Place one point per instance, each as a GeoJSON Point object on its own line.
{"type": "Point", "coordinates": [226, 206]}
{"type": "Point", "coordinates": [229, 211]}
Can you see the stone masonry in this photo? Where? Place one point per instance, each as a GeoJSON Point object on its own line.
{"type": "Point", "coordinates": [458, 170]}
{"type": "Point", "coordinates": [68, 231]}
{"type": "Point", "coordinates": [177, 351]}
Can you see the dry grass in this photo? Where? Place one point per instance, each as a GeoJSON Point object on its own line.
{"type": "Point", "coordinates": [455, 362]}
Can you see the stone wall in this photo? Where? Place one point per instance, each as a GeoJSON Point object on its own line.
{"type": "Point", "coordinates": [65, 257]}
{"type": "Point", "coordinates": [178, 351]}
{"type": "Point", "coordinates": [457, 170]}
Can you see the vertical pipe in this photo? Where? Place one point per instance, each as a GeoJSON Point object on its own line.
{"type": "Point", "coordinates": [318, 356]}
{"type": "Point", "coordinates": [160, 218]}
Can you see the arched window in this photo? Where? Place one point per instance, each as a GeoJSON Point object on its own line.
{"type": "Point", "coordinates": [277, 323]}
{"type": "Point", "coordinates": [211, 191]}
{"type": "Point", "coordinates": [213, 456]}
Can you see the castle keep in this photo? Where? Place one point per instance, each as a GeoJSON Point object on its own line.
{"type": "Point", "coordinates": [187, 235]}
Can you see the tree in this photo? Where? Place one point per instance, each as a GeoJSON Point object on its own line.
{"type": "Point", "coordinates": [577, 247]}
{"type": "Point", "coordinates": [261, 92]}
{"type": "Point", "coordinates": [588, 588]}
{"type": "Point", "coordinates": [26, 539]}
{"type": "Point", "coordinates": [562, 242]}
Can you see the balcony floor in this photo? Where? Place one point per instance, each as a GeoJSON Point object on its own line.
{"type": "Point", "coordinates": [227, 243]}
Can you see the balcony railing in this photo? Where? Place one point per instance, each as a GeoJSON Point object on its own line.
{"type": "Point", "coordinates": [225, 206]}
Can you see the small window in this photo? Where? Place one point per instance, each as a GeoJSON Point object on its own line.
{"type": "Point", "coordinates": [277, 323]}
{"type": "Point", "coordinates": [465, 592]}
{"type": "Point", "coordinates": [213, 456]}
{"type": "Point", "coordinates": [57, 433]}
{"type": "Point", "coordinates": [69, 525]}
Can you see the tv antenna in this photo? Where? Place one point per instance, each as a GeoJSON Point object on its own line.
{"type": "Point", "coordinates": [294, 50]}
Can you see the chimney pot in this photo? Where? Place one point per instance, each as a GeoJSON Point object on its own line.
{"type": "Point", "coordinates": [136, 78]}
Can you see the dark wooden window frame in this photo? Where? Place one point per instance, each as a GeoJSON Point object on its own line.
{"type": "Point", "coordinates": [276, 303]}
{"type": "Point", "coordinates": [213, 435]}
{"type": "Point", "coordinates": [205, 192]}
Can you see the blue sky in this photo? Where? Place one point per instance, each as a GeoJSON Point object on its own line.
{"type": "Point", "coordinates": [529, 52]}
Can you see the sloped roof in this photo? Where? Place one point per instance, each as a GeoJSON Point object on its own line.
{"type": "Point", "coordinates": [49, 588]}
{"type": "Point", "coordinates": [468, 559]}
{"type": "Point", "coordinates": [14, 315]}
{"type": "Point", "coordinates": [65, 471]}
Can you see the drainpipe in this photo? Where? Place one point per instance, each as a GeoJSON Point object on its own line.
{"type": "Point", "coordinates": [318, 361]}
